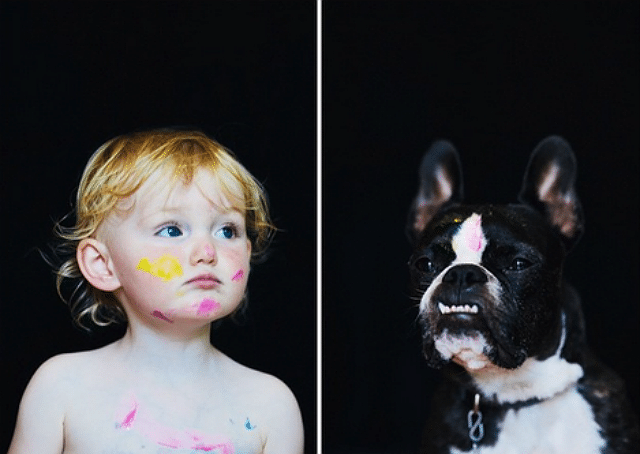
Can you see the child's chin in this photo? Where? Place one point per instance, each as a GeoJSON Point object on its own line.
{"type": "Point", "coordinates": [206, 308]}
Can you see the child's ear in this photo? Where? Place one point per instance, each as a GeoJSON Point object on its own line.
{"type": "Point", "coordinates": [96, 266]}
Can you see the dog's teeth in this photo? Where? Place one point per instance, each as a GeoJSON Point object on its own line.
{"type": "Point", "coordinates": [444, 309]}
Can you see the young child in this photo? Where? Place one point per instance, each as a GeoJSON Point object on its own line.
{"type": "Point", "coordinates": [167, 223]}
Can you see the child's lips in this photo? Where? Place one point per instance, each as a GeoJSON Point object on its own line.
{"type": "Point", "coordinates": [205, 281]}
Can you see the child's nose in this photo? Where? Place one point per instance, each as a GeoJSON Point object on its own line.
{"type": "Point", "coordinates": [204, 252]}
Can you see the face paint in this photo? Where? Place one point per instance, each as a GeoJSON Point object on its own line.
{"type": "Point", "coordinates": [127, 414]}
{"type": "Point", "coordinates": [239, 275]}
{"type": "Point", "coordinates": [170, 437]}
{"type": "Point", "coordinates": [207, 306]}
{"type": "Point", "coordinates": [127, 422]}
{"type": "Point", "coordinates": [469, 242]}
{"type": "Point", "coordinates": [475, 239]}
{"type": "Point", "coordinates": [161, 316]}
{"type": "Point", "coordinates": [166, 267]}
{"type": "Point", "coordinates": [248, 426]}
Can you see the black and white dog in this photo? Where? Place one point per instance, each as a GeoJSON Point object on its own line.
{"type": "Point", "coordinates": [499, 319]}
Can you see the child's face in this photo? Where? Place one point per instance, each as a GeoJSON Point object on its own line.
{"type": "Point", "coordinates": [181, 254]}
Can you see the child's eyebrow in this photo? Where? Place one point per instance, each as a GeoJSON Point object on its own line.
{"type": "Point", "coordinates": [176, 210]}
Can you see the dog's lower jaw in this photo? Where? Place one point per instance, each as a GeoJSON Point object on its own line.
{"type": "Point", "coordinates": [466, 350]}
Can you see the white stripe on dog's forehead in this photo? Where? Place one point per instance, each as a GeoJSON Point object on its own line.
{"type": "Point", "coordinates": [469, 241]}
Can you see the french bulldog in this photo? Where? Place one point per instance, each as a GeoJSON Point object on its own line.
{"type": "Point", "coordinates": [499, 319]}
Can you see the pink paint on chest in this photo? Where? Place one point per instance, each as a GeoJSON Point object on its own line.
{"type": "Point", "coordinates": [188, 439]}
{"type": "Point", "coordinates": [475, 238]}
{"type": "Point", "coordinates": [239, 275]}
{"type": "Point", "coordinates": [207, 306]}
{"type": "Point", "coordinates": [129, 410]}
{"type": "Point", "coordinates": [127, 422]}
{"type": "Point", "coordinates": [170, 437]}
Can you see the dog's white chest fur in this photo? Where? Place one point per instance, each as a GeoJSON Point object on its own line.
{"type": "Point", "coordinates": [562, 425]}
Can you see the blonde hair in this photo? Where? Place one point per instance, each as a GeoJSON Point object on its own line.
{"type": "Point", "coordinates": [117, 170]}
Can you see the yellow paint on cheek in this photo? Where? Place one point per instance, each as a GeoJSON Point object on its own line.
{"type": "Point", "coordinates": [166, 267]}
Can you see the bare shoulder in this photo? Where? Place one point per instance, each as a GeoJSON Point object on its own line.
{"type": "Point", "coordinates": [51, 391]}
{"type": "Point", "coordinates": [54, 380]}
{"type": "Point", "coordinates": [66, 372]}
{"type": "Point", "coordinates": [274, 406]}
{"type": "Point", "coordinates": [257, 386]}
{"type": "Point", "coordinates": [39, 427]}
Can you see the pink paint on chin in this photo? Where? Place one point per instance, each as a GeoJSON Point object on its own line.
{"type": "Point", "coordinates": [239, 275]}
{"type": "Point", "coordinates": [207, 306]}
{"type": "Point", "coordinates": [474, 241]}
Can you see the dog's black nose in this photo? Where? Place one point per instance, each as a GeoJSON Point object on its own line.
{"type": "Point", "coordinates": [465, 276]}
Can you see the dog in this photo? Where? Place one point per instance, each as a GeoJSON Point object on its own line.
{"type": "Point", "coordinates": [500, 321]}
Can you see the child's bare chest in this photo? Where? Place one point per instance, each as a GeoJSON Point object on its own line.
{"type": "Point", "coordinates": [131, 420]}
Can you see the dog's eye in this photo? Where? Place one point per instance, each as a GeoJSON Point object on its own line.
{"type": "Point", "coordinates": [519, 264]}
{"type": "Point", "coordinates": [424, 265]}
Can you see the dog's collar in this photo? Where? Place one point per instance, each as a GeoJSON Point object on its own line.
{"type": "Point", "coordinates": [474, 416]}
{"type": "Point", "coordinates": [485, 402]}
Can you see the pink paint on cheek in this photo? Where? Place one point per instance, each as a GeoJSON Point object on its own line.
{"type": "Point", "coordinates": [161, 316]}
{"type": "Point", "coordinates": [474, 240]}
{"type": "Point", "coordinates": [239, 275]}
{"type": "Point", "coordinates": [207, 306]}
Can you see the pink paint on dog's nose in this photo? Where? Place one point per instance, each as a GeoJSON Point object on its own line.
{"type": "Point", "coordinates": [475, 238]}
{"type": "Point", "coordinates": [469, 242]}
{"type": "Point", "coordinates": [239, 275]}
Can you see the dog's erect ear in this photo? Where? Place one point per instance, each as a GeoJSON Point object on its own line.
{"type": "Point", "coordinates": [440, 184]}
{"type": "Point", "coordinates": [549, 187]}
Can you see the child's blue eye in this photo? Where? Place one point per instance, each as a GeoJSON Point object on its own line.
{"type": "Point", "coordinates": [227, 232]}
{"type": "Point", "coordinates": [169, 231]}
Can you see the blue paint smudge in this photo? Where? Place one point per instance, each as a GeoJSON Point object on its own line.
{"type": "Point", "coordinates": [248, 426]}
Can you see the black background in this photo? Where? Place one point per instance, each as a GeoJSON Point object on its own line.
{"type": "Point", "coordinates": [76, 74]}
{"type": "Point", "coordinates": [495, 78]}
